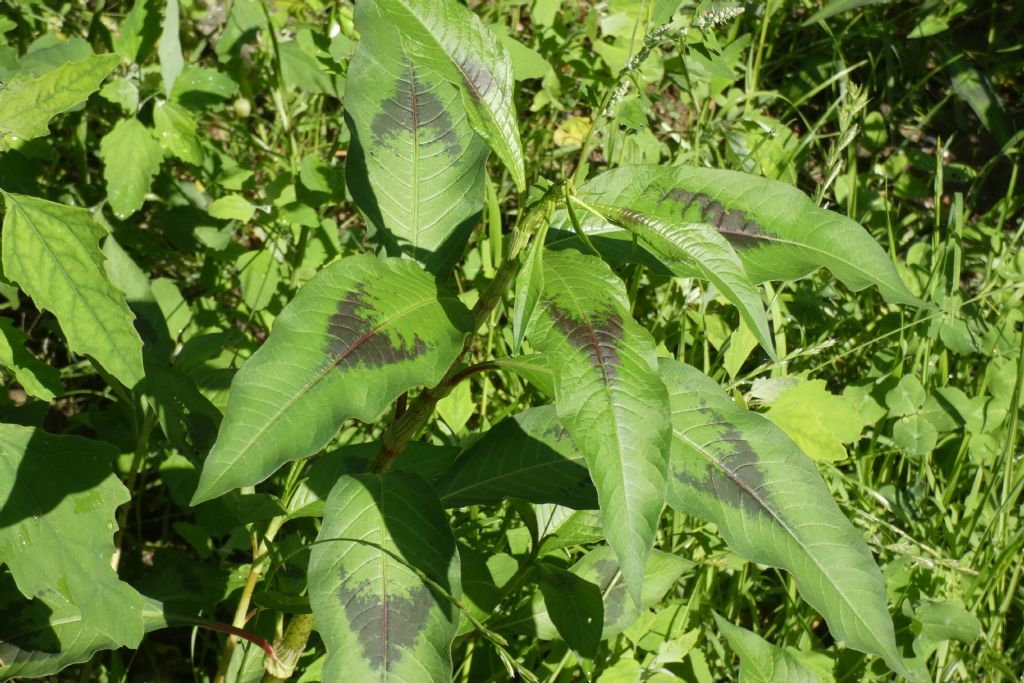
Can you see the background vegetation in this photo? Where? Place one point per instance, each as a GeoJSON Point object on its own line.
{"type": "Point", "coordinates": [903, 116]}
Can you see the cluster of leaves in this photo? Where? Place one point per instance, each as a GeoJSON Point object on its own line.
{"type": "Point", "coordinates": [288, 361]}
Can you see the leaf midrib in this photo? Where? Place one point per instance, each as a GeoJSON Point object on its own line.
{"type": "Point", "coordinates": [319, 375]}
{"type": "Point", "coordinates": [761, 501]}
{"type": "Point", "coordinates": [60, 267]}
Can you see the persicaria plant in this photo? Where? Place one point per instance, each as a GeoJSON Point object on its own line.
{"type": "Point", "coordinates": [355, 453]}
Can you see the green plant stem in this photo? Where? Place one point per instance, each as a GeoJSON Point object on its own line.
{"type": "Point", "coordinates": [401, 432]}
{"type": "Point", "coordinates": [259, 561]}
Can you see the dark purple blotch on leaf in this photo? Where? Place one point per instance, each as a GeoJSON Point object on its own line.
{"type": "Point", "coordinates": [386, 625]}
{"type": "Point", "coordinates": [353, 339]}
{"type": "Point", "coordinates": [597, 336]}
{"type": "Point", "coordinates": [732, 224]}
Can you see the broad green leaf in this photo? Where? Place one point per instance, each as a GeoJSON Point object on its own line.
{"type": "Point", "coordinates": [259, 275]}
{"type": "Point", "coordinates": [609, 397]}
{"type": "Point", "coordinates": [35, 377]}
{"type": "Point", "coordinates": [534, 368]}
{"type": "Point", "coordinates": [199, 87]}
{"type": "Point", "coordinates": [778, 232]}
{"type": "Point", "coordinates": [528, 456]}
{"type": "Point", "coordinates": [760, 661]}
{"type": "Point", "coordinates": [131, 157]}
{"type": "Point", "coordinates": [701, 247]}
{"type": "Point", "coordinates": [561, 527]}
{"type": "Point", "coordinates": [39, 638]}
{"type": "Point", "coordinates": [448, 38]}
{"type": "Point", "coordinates": [176, 131]}
{"type": "Point", "coordinates": [738, 470]}
{"type": "Point", "coordinates": [600, 568]}
{"type": "Point", "coordinates": [356, 336]}
{"type": "Point", "coordinates": [27, 104]}
{"type": "Point", "coordinates": [574, 606]}
{"type": "Point", "coordinates": [169, 48]}
{"type": "Point", "coordinates": [138, 32]}
{"type": "Point", "coordinates": [56, 528]}
{"type": "Point", "coordinates": [380, 577]}
{"type": "Point", "coordinates": [232, 207]}
{"type": "Point", "coordinates": [817, 421]}
{"type": "Point", "coordinates": [51, 252]}
{"type": "Point", "coordinates": [937, 622]}
{"type": "Point", "coordinates": [416, 168]}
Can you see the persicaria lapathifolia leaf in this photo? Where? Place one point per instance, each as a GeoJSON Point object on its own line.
{"type": "Point", "coordinates": [415, 167]}
{"type": "Point", "coordinates": [700, 246]}
{"type": "Point", "coordinates": [778, 232]}
{"type": "Point", "coordinates": [528, 456]}
{"type": "Point", "coordinates": [609, 397]}
{"type": "Point", "coordinates": [445, 36]}
{"type": "Point", "coordinates": [356, 336]}
{"type": "Point", "coordinates": [738, 470]}
{"type": "Point", "coordinates": [52, 252]}
{"type": "Point", "coordinates": [380, 577]}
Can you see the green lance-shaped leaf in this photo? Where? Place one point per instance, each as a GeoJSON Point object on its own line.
{"type": "Point", "coordinates": [701, 247]}
{"type": "Point", "coordinates": [415, 168]}
{"type": "Point", "coordinates": [760, 661]}
{"type": "Point", "coordinates": [56, 529]}
{"type": "Point", "coordinates": [609, 397]}
{"type": "Point", "coordinates": [356, 336]}
{"type": "Point", "coordinates": [528, 456]}
{"type": "Point", "coordinates": [738, 470]}
{"type": "Point", "coordinates": [27, 104]}
{"type": "Point", "coordinates": [35, 377]}
{"type": "Point", "coordinates": [51, 251]}
{"type": "Point", "coordinates": [131, 157]}
{"type": "Point", "coordinates": [778, 232]}
{"type": "Point", "coordinates": [445, 36]}
{"type": "Point", "coordinates": [380, 577]}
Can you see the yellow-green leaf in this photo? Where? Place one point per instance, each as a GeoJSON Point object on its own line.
{"type": "Point", "coordinates": [28, 104]}
{"type": "Point", "coordinates": [51, 251]}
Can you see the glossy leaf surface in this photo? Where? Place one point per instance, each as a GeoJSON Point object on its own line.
{"type": "Point", "coordinates": [384, 560]}
{"type": "Point", "coordinates": [778, 232]}
{"type": "Point", "coordinates": [416, 168]}
{"type": "Point", "coordinates": [529, 456]}
{"type": "Point", "coordinates": [59, 497]}
{"type": "Point", "coordinates": [738, 470]}
{"type": "Point", "coordinates": [609, 397]}
{"type": "Point", "coordinates": [356, 336]}
{"type": "Point", "coordinates": [448, 38]}
{"type": "Point", "coordinates": [51, 251]}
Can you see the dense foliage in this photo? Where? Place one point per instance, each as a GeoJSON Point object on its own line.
{"type": "Point", "coordinates": [552, 340]}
